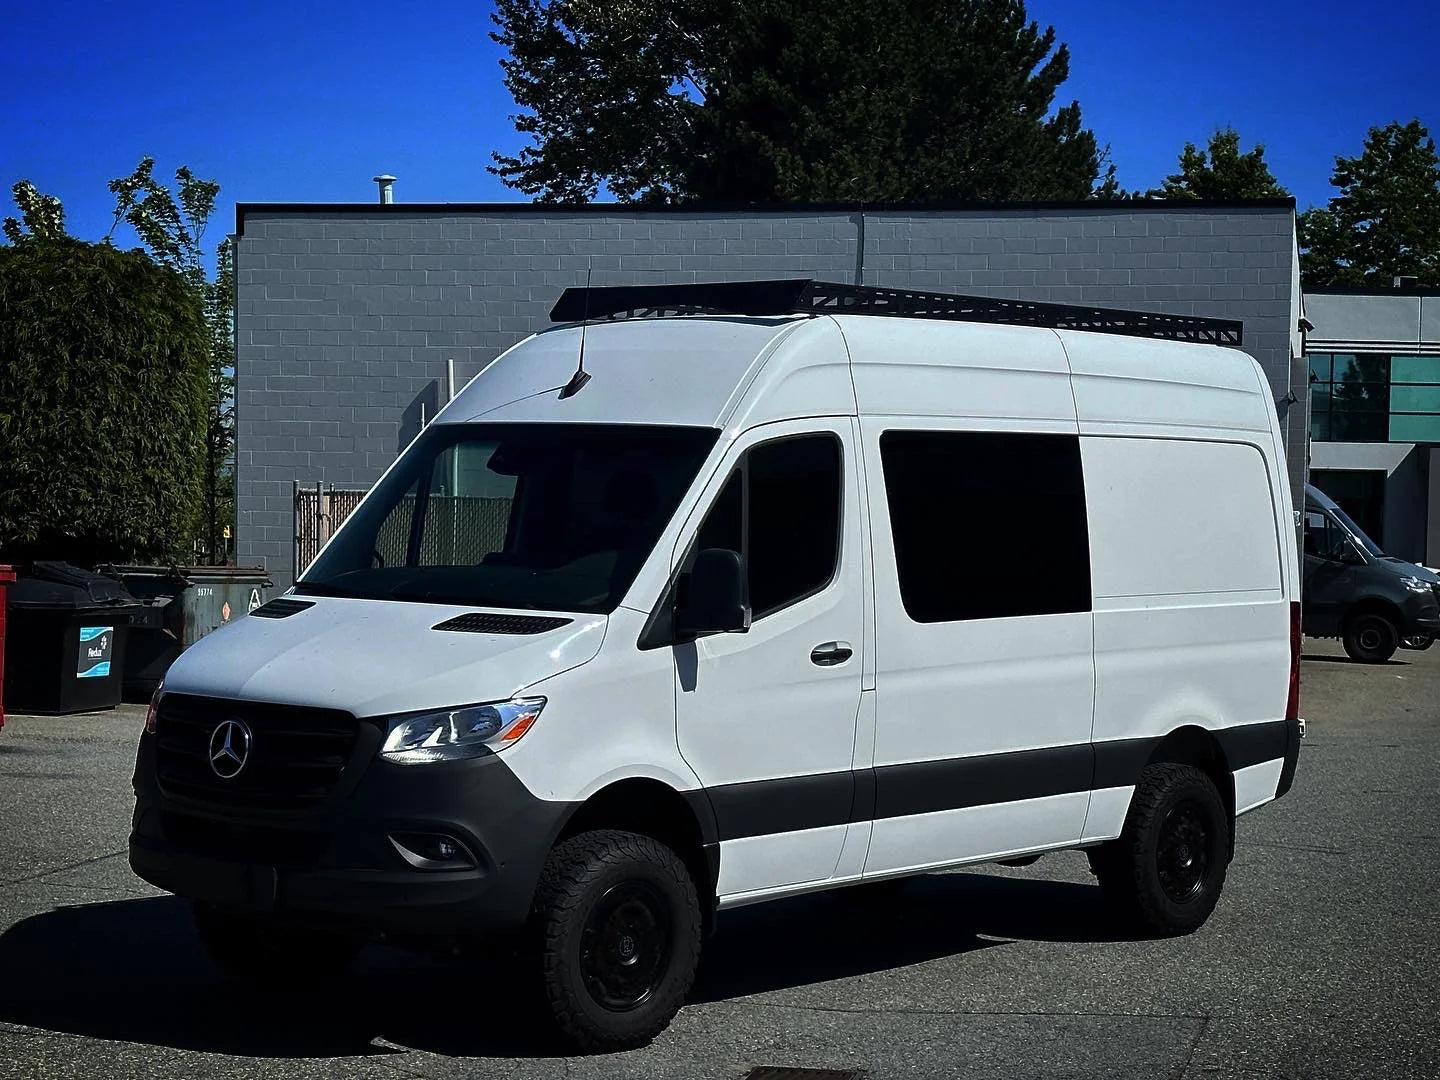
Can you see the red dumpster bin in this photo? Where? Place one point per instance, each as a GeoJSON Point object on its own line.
{"type": "Point", "coordinates": [7, 575]}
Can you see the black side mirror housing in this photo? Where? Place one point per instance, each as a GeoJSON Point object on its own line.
{"type": "Point", "coordinates": [716, 597]}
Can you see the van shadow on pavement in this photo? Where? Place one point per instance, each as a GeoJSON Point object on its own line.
{"type": "Point", "coordinates": [133, 970]}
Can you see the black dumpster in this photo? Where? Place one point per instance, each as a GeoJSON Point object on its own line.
{"type": "Point", "coordinates": [65, 640]}
{"type": "Point", "coordinates": [178, 606]}
{"type": "Point", "coordinates": [157, 629]}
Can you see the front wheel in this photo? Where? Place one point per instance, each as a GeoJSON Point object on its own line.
{"type": "Point", "coordinates": [1418, 642]}
{"type": "Point", "coordinates": [1165, 872]}
{"type": "Point", "coordinates": [1371, 638]}
{"type": "Point", "coordinates": [617, 924]}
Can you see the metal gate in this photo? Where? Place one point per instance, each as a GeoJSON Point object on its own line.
{"type": "Point", "coordinates": [319, 511]}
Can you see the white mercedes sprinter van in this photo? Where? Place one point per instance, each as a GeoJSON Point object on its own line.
{"type": "Point", "coordinates": [742, 591]}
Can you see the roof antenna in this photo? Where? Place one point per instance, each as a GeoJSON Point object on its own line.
{"type": "Point", "coordinates": [581, 377]}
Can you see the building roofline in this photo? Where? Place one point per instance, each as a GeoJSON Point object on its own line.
{"type": "Point", "coordinates": [402, 209]}
{"type": "Point", "coordinates": [1368, 290]}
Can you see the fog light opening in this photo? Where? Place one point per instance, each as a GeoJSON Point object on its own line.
{"type": "Point", "coordinates": [432, 851]}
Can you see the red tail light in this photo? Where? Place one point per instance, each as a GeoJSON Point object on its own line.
{"type": "Point", "coordinates": [1292, 703]}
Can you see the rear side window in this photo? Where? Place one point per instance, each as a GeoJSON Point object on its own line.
{"type": "Point", "coordinates": [987, 525]}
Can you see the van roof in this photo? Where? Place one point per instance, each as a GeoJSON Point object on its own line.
{"type": "Point", "coordinates": [686, 371]}
{"type": "Point", "coordinates": [723, 370]}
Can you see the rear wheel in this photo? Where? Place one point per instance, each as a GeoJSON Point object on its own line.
{"type": "Point", "coordinates": [1419, 642]}
{"type": "Point", "coordinates": [616, 922]}
{"type": "Point", "coordinates": [251, 949]}
{"type": "Point", "coordinates": [1371, 638]}
{"type": "Point", "coordinates": [1165, 872]}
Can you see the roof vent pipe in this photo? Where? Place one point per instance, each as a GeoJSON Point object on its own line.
{"type": "Point", "coordinates": [386, 184]}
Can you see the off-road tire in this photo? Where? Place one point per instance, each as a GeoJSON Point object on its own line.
{"type": "Point", "coordinates": [1164, 874]}
{"type": "Point", "coordinates": [1370, 638]}
{"type": "Point", "coordinates": [251, 949]}
{"type": "Point", "coordinates": [601, 892]}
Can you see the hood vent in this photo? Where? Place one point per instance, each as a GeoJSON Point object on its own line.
{"type": "Point", "coordinates": [487, 622]}
{"type": "Point", "coordinates": [281, 608]}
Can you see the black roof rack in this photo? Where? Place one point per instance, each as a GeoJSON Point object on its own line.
{"type": "Point", "coordinates": [806, 296]}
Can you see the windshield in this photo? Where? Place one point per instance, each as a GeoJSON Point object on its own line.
{"type": "Point", "coordinates": [1357, 532]}
{"type": "Point", "coordinates": [555, 517]}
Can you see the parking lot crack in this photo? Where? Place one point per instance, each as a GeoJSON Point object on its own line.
{"type": "Point", "coordinates": [969, 1012]}
{"type": "Point", "coordinates": [1178, 1073]}
{"type": "Point", "coordinates": [61, 869]}
{"type": "Point", "coordinates": [404, 1067]}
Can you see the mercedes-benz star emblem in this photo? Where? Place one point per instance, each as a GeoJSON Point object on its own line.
{"type": "Point", "coordinates": [230, 748]}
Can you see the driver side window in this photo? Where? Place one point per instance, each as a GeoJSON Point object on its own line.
{"type": "Point", "coordinates": [1324, 539]}
{"type": "Point", "coordinates": [781, 509]}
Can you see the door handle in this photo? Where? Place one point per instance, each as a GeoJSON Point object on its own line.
{"type": "Point", "coordinates": [831, 653]}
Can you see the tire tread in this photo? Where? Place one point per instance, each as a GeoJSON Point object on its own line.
{"type": "Point", "coordinates": [565, 883]}
{"type": "Point", "coordinates": [1123, 866]}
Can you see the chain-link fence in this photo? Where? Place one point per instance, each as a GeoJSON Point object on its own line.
{"type": "Point", "coordinates": [458, 530]}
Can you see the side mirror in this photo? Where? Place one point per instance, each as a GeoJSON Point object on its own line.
{"type": "Point", "coordinates": [717, 599]}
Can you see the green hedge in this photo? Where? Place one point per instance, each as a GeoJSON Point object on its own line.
{"type": "Point", "coordinates": [102, 405]}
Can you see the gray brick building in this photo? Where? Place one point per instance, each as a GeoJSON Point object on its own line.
{"type": "Point", "coordinates": [348, 316]}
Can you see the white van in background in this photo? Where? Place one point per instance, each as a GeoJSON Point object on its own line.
{"type": "Point", "coordinates": [743, 591]}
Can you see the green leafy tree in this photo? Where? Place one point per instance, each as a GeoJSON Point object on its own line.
{"type": "Point", "coordinates": [42, 217]}
{"type": "Point", "coordinates": [1384, 221]}
{"type": "Point", "coordinates": [102, 403]}
{"type": "Point", "coordinates": [172, 228]}
{"type": "Point", "coordinates": [664, 101]}
{"type": "Point", "coordinates": [1221, 171]}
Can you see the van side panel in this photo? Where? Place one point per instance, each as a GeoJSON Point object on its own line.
{"type": "Point", "coordinates": [1191, 613]}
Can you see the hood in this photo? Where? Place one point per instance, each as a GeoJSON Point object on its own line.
{"type": "Point", "coordinates": [1409, 569]}
{"type": "Point", "coordinates": [372, 657]}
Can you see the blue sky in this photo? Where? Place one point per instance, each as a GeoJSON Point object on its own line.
{"type": "Point", "coordinates": [304, 102]}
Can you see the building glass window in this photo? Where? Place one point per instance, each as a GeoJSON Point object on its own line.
{"type": "Point", "coordinates": [1374, 397]}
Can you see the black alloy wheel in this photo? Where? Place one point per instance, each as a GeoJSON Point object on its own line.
{"type": "Point", "coordinates": [625, 946]}
{"type": "Point", "coordinates": [1182, 855]}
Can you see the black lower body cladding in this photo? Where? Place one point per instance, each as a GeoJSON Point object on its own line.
{"type": "Point", "coordinates": [336, 863]}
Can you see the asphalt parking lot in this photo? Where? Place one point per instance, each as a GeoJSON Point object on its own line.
{"type": "Point", "coordinates": [1323, 959]}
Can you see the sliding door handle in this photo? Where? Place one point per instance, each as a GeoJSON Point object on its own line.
{"type": "Point", "coordinates": [831, 653]}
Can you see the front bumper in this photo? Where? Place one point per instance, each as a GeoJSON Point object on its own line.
{"type": "Point", "coordinates": [335, 864]}
{"type": "Point", "coordinates": [1422, 614]}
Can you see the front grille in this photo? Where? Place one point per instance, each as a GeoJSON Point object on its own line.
{"type": "Point", "coordinates": [296, 754]}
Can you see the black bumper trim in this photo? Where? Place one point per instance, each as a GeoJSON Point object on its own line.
{"type": "Point", "coordinates": [358, 877]}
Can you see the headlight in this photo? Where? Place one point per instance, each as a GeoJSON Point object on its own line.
{"type": "Point", "coordinates": [1414, 584]}
{"type": "Point", "coordinates": [452, 734]}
